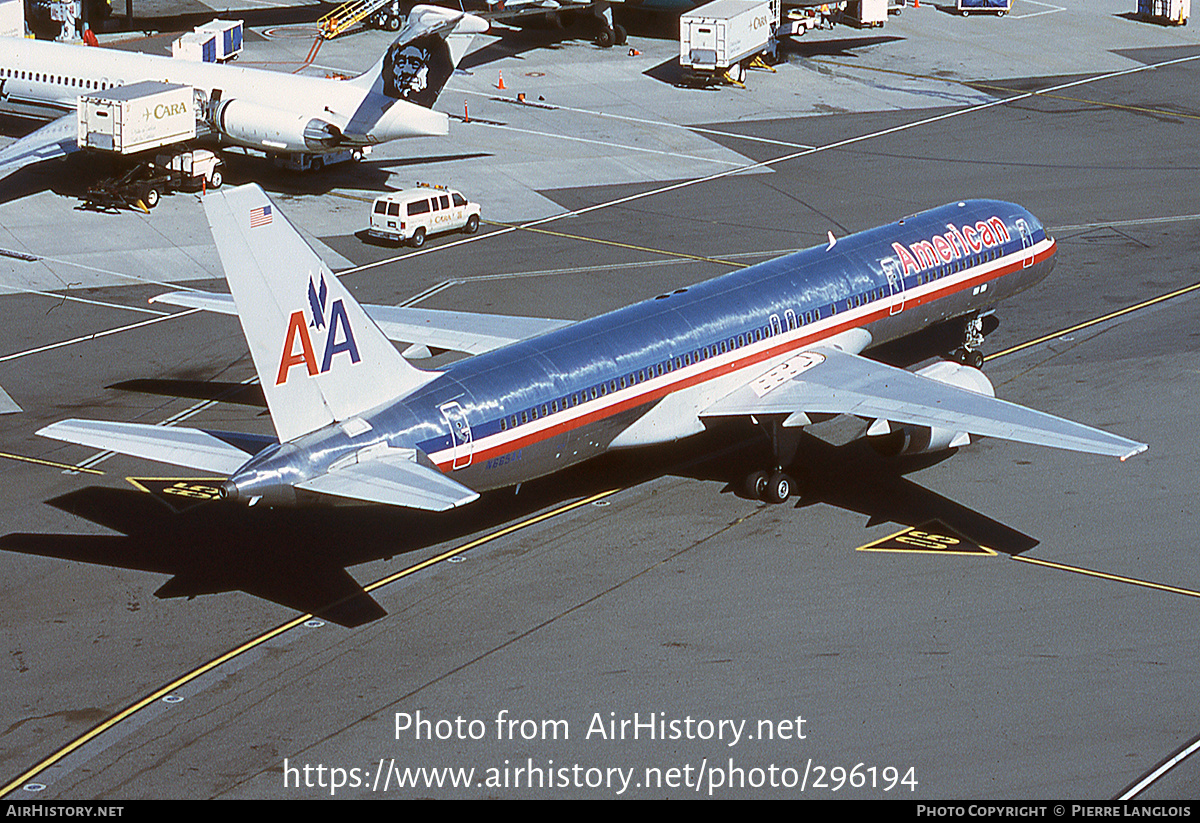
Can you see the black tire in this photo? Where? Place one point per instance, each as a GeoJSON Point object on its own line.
{"type": "Point", "coordinates": [779, 488]}
{"type": "Point", "coordinates": [151, 198]}
{"type": "Point", "coordinates": [216, 180]}
{"type": "Point", "coordinates": [975, 359]}
{"type": "Point", "coordinates": [620, 36]}
{"type": "Point", "coordinates": [392, 23]}
{"type": "Point", "coordinates": [418, 239]}
{"type": "Point", "coordinates": [317, 164]}
{"type": "Point", "coordinates": [605, 38]}
{"type": "Point", "coordinates": [755, 485]}
{"type": "Point", "coordinates": [472, 224]}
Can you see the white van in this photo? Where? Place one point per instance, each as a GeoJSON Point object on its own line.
{"type": "Point", "coordinates": [410, 215]}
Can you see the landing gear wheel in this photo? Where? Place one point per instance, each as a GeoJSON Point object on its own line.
{"type": "Point", "coordinates": [418, 239]}
{"type": "Point", "coordinates": [974, 359]}
{"type": "Point", "coordinates": [392, 23]}
{"type": "Point", "coordinates": [779, 488]}
{"type": "Point", "coordinates": [472, 224]}
{"type": "Point", "coordinates": [605, 38]}
{"type": "Point", "coordinates": [756, 485]}
{"type": "Point", "coordinates": [619, 34]}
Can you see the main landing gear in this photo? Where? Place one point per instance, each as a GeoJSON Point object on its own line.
{"type": "Point", "coordinates": [968, 353]}
{"type": "Point", "coordinates": [774, 485]}
{"type": "Point", "coordinates": [608, 33]}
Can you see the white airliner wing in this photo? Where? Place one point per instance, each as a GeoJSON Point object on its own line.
{"type": "Point", "coordinates": [57, 139]}
{"type": "Point", "coordinates": [825, 380]}
{"type": "Point", "coordinates": [394, 481]}
{"type": "Point", "coordinates": [436, 328]}
{"type": "Point", "coordinates": [180, 447]}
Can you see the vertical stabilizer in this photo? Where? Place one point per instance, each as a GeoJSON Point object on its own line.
{"type": "Point", "coordinates": [424, 55]}
{"type": "Point", "coordinates": [319, 357]}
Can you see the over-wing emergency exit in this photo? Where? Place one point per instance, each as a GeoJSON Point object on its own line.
{"type": "Point", "coordinates": [268, 111]}
{"type": "Point", "coordinates": [780, 342]}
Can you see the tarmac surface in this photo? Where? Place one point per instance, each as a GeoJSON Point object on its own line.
{"type": "Point", "coordinates": [751, 650]}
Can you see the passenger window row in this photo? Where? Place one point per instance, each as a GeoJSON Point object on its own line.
{"type": "Point", "coordinates": [39, 77]}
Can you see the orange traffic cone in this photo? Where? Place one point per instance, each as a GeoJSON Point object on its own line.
{"type": "Point", "coordinates": [500, 85]}
{"type": "Point", "coordinates": [466, 117]}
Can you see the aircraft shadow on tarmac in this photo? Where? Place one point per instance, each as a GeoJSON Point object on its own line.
{"type": "Point", "coordinates": [298, 557]}
{"type": "Point", "coordinates": [672, 73]}
{"type": "Point", "coordinates": [71, 176]}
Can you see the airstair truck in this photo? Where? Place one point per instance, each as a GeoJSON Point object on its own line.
{"type": "Point", "coordinates": [721, 39]}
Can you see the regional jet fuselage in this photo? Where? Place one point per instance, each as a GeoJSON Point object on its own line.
{"type": "Point", "coordinates": [269, 111]}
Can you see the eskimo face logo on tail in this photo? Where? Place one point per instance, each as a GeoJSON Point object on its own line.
{"type": "Point", "coordinates": [298, 343]}
{"type": "Point", "coordinates": [417, 70]}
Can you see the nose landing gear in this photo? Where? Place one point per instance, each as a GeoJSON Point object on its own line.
{"type": "Point", "coordinates": [968, 353]}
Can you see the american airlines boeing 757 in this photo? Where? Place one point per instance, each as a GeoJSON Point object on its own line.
{"type": "Point", "coordinates": [779, 342]}
{"type": "Point", "coordinates": [269, 111]}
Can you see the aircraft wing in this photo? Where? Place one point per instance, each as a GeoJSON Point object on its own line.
{"type": "Point", "coordinates": [436, 328]}
{"type": "Point", "coordinates": [825, 380]}
{"type": "Point", "coordinates": [56, 139]}
{"type": "Point", "coordinates": [394, 480]}
{"type": "Point", "coordinates": [207, 451]}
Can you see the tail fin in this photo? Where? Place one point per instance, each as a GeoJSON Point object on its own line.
{"type": "Point", "coordinates": [420, 61]}
{"type": "Point", "coordinates": [319, 357]}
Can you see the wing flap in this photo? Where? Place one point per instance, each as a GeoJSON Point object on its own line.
{"type": "Point", "coordinates": [836, 382]}
{"type": "Point", "coordinates": [194, 448]}
{"type": "Point", "coordinates": [462, 331]}
{"type": "Point", "coordinates": [393, 481]}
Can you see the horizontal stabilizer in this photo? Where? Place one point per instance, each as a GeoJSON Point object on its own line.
{"type": "Point", "coordinates": [830, 381]}
{"type": "Point", "coordinates": [197, 449]}
{"type": "Point", "coordinates": [394, 481]}
{"type": "Point", "coordinates": [462, 331]}
{"type": "Point", "coordinates": [56, 139]}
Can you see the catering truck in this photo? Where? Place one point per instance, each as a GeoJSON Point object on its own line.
{"type": "Point", "coordinates": [719, 40]}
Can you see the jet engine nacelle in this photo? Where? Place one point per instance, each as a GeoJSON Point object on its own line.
{"type": "Point", "coordinates": [273, 129]}
{"type": "Point", "coordinates": [890, 439]}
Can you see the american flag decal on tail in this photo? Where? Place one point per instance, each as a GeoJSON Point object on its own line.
{"type": "Point", "coordinates": [260, 216]}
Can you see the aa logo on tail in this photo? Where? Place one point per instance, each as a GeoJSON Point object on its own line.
{"type": "Point", "coordinates": [298, 343]}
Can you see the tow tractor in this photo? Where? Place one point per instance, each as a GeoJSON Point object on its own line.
{"type": "Point", "coordinates": [144, 183]}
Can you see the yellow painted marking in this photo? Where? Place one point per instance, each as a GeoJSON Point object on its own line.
{"type": "Point", "coordinates": [49, 463]}
{"type": "Point", "coordinates": [1106, 576]}
{"type": "Point", "coordinates": [620, 245]}
{"type": "Point", "coordinates": [158, 694]}
{"type": "Point", "coordinates": [487, 539]}
{"type": "Point", "coordinates": [930, 538]}
{"type": "Point", "coordinates": [1096, 320]}
{"type": "Point", "coordinates": [198, 488]}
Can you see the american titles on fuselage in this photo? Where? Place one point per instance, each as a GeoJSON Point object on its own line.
{"type": "Point", "coordinates": [953, 245]}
